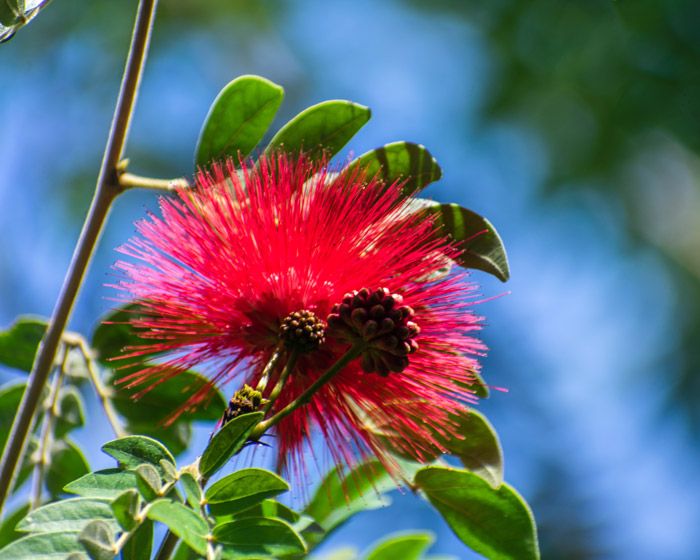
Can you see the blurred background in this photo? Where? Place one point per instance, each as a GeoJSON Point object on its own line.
{"type": "Point", "coordinates": [574, 126]}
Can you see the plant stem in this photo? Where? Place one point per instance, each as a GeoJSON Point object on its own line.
{"type": "Point", "coordinates": [130, 181]}
{"type": "Point", "coordinates": [107, 189]}
{"type": "Point", "coordinates": [106, 403]}
{"type": "Point", "coordinates": [167, 546]}
{"type": "Point", "coordinates": [269, 368]}
{"type": "Point", "coordinates": [46, 429]}
{"type": "Point", "coordinates": [352, 353]}
{"type": "Point", "coordinates": [286, 372]}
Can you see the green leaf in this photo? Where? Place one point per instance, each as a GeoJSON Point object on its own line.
{"type": "Point", "coordinates": [132, 451]}
{"type": "Point", "coordinates": [18, 344]}
{"type": "Point", "coordinates": [183, 522]}
{"type": "Point", "coordinates": [339, 498]}
{"type": "Point", "coordinates": [406, 547]}
{"type": "Point", "coordinates": [148, 482]}
{"type": "Point", "coordinates": [70, 412]}
{"type": "Point", "coordinates": [15, 14]}
{"type": "Point", "coordinates": [67, 463]}
{"type": "Point", "coordinates": [477, 446]}
{"type": "Point", "coordinates": [482, 248]}
{"type": "Point", "coordinates": [125, 509]}
{"type": "Point", "coordinates": [44, 546]}
{"type": "Point", "coordinates": [321, 129]}
{"type": "Point", "coordinates": [154, 406]}
{"type": "Point", "coordinates": [494, 522]}
{"type": "Point", "coordinates": [400, 161]}
{"type": "Point", "coordinates": [271, 508]}
{"type": "Point", "coordinates": [227, 441]}
{"type": "Point", "coordinates": [10, 397]}
{"type": "Point", "coordinates": [114, 333]}
{"type": "Point", "coordinates": [8, 531]}
{"type": "Point", "coordinates": [238, 119]}
{"type": "Point", "coordinates": [140, 543]}
{"type": "Point", "coordinates": [243, 489]}
{"type": "Point", "coordinates": [168, 470]}
{"type": "Point", "coordinates": [480, 388]}
{"type": "Point", "coordinates": [184, 552]}
{"type": "Point", "coordinates": [106, 484]}
{"type": "Point", "coordinates": [98, 539]}
{"type": "Point", "coordinates": [254, 537]}
{"type": "Point", "coordinates": [77, 556]}
{"type": "Point", "coordinates": [67, 515]}
{"type": "Point", "coordinates": [175, 437]}
{"type": "Point", "coordinates": [192, 490]}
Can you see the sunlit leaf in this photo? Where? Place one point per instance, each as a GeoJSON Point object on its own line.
{"type": "Point", "coordinates": [125, 509]}
{"type": "Point", "coordinates": [257, 536]}
{"type": "Point", "coordinates": [132, 451]}
{"type": "Point", "coordinates": [227, 441]}
{"type": "Point", "coordinates": [67, 515]}
{"type": "Point", "coordinates": [15, 14]}
{"type": "Point", "coordinates": [238, 119]}
{"type": "Point", "coordinates": [148, 481]}
{"type": "Point", "coordinates": [19, 343]}
{"type": "Point", "coordinates": [406, 547]}
{"type": "Point", "coordinates": [494, 522]}
{"type": "Point", "coordinates": [323, 128]}
{"type": "Point", "coordinates": [44, 546]}
{"type": "Point", "coordinates": [482, 247]}
{"type": "Point", "coordinates": [107, 483]}
{"type": "Point", "coordinates": [404, 162]}
{"type": "Point", "coordinates": [183, 522]}
{"type": "Point", "coordinates": [98, 539]}
{"type": "Point", "coordinates": [243, 489]}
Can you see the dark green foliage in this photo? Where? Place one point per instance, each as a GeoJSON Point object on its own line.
{"type": "Point", "coordinates": [19, 343]}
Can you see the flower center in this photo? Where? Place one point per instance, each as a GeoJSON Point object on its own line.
{"type": "Point", "coordinates": [379, 318]}
{"type": "Point", "coordinates": [302, 331]}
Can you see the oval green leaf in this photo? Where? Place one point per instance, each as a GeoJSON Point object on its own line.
{"type": "Point", "coordinates": [67, 515]}
{"type": "Point", "coordinates": [192, 490]}
{"type": "Point", "coordinates": [148, 481]}
{"type": "Point", "coordinates": [494, 522]}
{"type": "Point", "coordinates": [8, 528]}
{"type": "Point", "coordinates": [321, 129]}
{"type": "Point", "coordinates": [405, 547]}
{"type": "Point", "coordinates": [238, 119]}
{"type": "Point", "coordinates": [482, 247]}
{"type": "Point", "coordinates": [183, 522]}
{"type": "Point", "coordinates": [19, 343]}
{"type": "Point", "coordinates": [400, 161]}
{"type": "Point", "coordinates": [98, 539]}
{"type": "Point", "coordinates": [106, 484]}
{"type": "Point", "coordinates": [243, 489]}
{"type": "Point", "coordinates": [125, 509]}
{"type": "Point", "coordinates": [227, 441]}
{"type": "Point", "coordinates": [256, 537]}
{"type": "Point", "coordinates": [132, 451]}
{"type": "Point", "coordinates": [44, 546]}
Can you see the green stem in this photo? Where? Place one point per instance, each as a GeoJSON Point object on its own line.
{"type": "Point", "coordinates": [130, 181]}
{"type": "Point", "coordinates": [106, 191]}
{"type": "Point", "coordinates": [352, 353]}
{"type": "Point", "coordinates": [102, 395]}
{"type": "Point", "coordinates": [167, 546]}
{"type": "Point", "coordinates": [46, 430]}
{"type": "Point", "coordinates": [286, 372]}
{"type": "Point", "coordinates": [269, 368]}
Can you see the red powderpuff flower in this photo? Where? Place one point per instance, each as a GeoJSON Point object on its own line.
{"type": "Point", "coordinates": [234, 260]}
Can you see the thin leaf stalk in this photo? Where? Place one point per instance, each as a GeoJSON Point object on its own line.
{"type": "Point", "coordinates": [281, 382]}
{"type": "Point", "coordinates": [46, 432]}
{"type": "Point", "coordinates": [106, 191]}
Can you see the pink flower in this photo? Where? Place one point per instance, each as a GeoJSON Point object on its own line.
{"type": "Point", "coordinates": [232, 258]}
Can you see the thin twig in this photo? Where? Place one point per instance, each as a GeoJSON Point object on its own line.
{"type": "Point", "coordinates": [281, 382]}
{"type": "Point", "coordinates": [102, 395]}
{"type": "Point", "coordinates": [46, 430]}
{"type": "Point", "coordinates": [105, 192]}
{"type": "Point", "coordinates": [131, 181]}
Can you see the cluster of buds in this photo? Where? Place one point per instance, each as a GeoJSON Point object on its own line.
{"type": "Point", "coordinates": [302, 331]}
{"type": "Point", "coordinates": [380, 319]}
{"type": "Point", "coordinates": [243, 401]}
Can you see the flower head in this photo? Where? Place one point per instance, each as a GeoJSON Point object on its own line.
{"type": "Point", "coordinates": [286, 258]}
